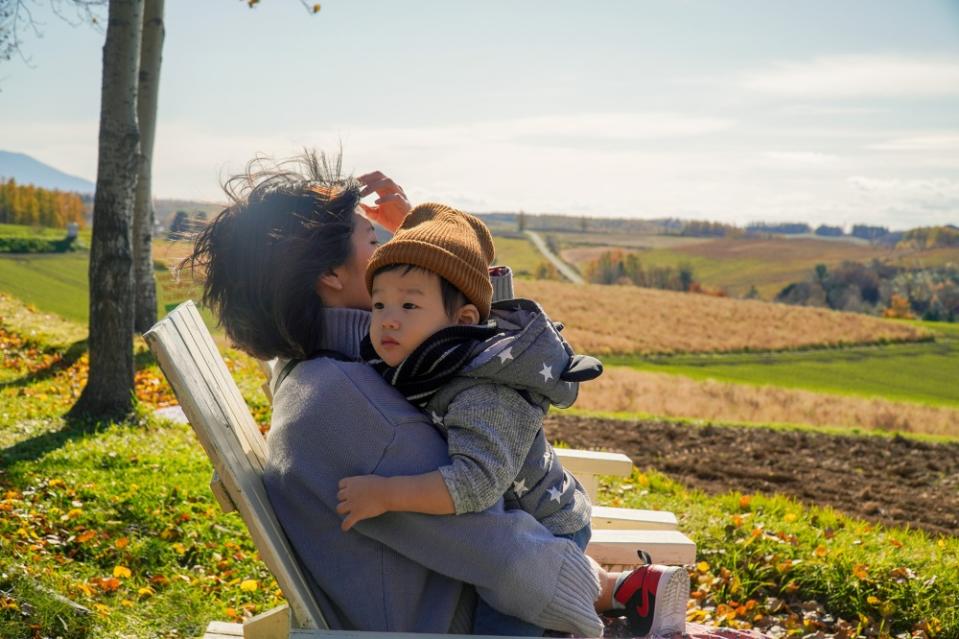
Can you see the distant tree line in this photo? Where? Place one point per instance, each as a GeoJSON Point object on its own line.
{"type": "Point", "coordinates": [703, 228]}
{"type": "Point", "coordinates": [932, 237]}
{"type": "Point", "coordinates": [882, 289]}
{"type": "Point", "coordinates": [824, 230]}
{"type": "Point", "coordinates": [184, 224]}
{"type": "Point", "coordinates": [34, 206]}
{"type": "Point", "coordinates": [618, 267]}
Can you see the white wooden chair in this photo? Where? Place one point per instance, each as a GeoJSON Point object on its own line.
{"type": "Point", "coordinates": [215, 408]}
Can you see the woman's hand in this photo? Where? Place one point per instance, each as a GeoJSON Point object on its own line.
{"type": "Point", "coordinates": [361, 497]}
{"type": "Point", "coordinates": [391, 206]}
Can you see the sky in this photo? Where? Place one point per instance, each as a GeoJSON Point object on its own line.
{"type": "Point", "coordinates": [738, 111]}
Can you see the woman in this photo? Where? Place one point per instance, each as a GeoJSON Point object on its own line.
{"type": "Point", "coordinates": [284, 270]}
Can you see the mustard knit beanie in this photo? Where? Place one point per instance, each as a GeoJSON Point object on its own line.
{"type": "Point", "coordinates": [450, 243]}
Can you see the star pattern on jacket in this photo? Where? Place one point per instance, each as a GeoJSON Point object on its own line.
{"type": "Point", "coordinates": [555, 493]}
{"type": "Point", "coordinates": [505, 354]}
{"type": "Point", "coordinates": [519, 487]}
{"type": "Point", "coordinates": [547, 372]}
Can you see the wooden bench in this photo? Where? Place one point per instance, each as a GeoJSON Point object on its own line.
{"type": "Point", "coordinates": [221, 419]}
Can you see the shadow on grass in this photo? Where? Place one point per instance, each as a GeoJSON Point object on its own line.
{"type": "Point", "coordinates": [35, 447]}
{"type": "Point", "coordinates": [70, 356]}
{"type": "Point", "coordinates": [76, 424]}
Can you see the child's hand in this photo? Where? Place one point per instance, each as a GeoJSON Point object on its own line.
{"type": "Point", "coordinates": [361, 497]}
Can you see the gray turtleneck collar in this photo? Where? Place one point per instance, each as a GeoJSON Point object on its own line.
{"type": "Point", "coordinates": [344, 329]}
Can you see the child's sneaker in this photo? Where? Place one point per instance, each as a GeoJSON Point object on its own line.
{"type": "Point", "coordinates": [655, 599]}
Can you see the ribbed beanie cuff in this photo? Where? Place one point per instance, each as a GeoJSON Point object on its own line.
{"type": "Point", "coordinates": [455, 245]}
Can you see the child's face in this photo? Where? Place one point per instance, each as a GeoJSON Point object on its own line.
{"type": "Point", "coordinates": [407, 309]}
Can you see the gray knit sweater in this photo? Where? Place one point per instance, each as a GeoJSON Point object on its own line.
{"type": "Point", "coordinates": [403, 571]}
{"type": "Point", "coordinates": [492, 415]}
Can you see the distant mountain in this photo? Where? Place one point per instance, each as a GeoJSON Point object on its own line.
{"type": "Point", "coordinates": [25, 170]}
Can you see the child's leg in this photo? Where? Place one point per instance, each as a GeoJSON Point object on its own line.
{"type": "Point", "coordinates": [489, 621]}
{"type": "Point", "coordinates": [581, 537]}
{"type": "Point", "coordinates": [653, 597]}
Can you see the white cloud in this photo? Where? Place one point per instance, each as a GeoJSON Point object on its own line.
{"type": "Point", "coordinates": [858, 76]}
{"type": "Point", "coordinates": [941, 189]}
{"type": "Point", "coordinates": [902, 202]}
{"type": "Point", "coordinates": [496, 166]}
{"type": "Point", "coordinates": [931, 142]}
{"type": "Point", "coordinates": [802, 158]}
{"type": "Point", "coordinates": [827, 110]}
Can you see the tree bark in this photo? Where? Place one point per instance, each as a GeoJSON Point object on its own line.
{"type": "Point", "coordinates": [144, 215]}
{"type": "Point", "coordinates": [109, 389]}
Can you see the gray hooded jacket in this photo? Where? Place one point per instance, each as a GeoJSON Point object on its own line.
{"type": "Point", "coordinates": [492, 416]}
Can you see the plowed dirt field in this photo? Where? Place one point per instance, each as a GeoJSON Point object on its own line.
{"type": "Point", "coordinates": [890, 480]}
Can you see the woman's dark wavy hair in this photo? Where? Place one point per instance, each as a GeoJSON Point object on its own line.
{"type": "Point", "coordinates": [288, 223]}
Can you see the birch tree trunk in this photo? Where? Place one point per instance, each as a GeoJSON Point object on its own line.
{"type": "Point", "coordinates": [144, 215]}
{"type": "Point", "coordinates": [109, 389]}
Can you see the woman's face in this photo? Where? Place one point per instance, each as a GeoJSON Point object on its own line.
{"type": "Point", "coordinates": [352, 274]}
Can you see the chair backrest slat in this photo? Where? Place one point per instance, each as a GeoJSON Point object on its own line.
{"type": "Point", "coordinates": [201, 342]}
{"type": "Point", "coordinates": [213, 404]}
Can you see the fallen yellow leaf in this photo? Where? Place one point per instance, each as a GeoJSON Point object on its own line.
{"type": "Point", "coordinates": [248, 585]}
{"type": "Point", "coordinates": [86, 536]}
{"type": "Point", "coordinates": [122, 572]}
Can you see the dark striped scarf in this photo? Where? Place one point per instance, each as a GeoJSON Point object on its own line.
{"type": "Point", "coordinates": [433, 363]}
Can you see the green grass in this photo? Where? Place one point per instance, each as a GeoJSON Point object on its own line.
{"type": "Point", "coordinates": [94, 505]}
{"type": "Point", "coordinates": [757, 547]}
{"type": "Point", "coordinates": [923, 373]}
{"type": "Point", "coordinates": [736, 276]}
{"type": "Point", "coordinates": [519, 254]}
{"type": "Point", "coordinates": [119, 519]}
{"type": "Point", "coordinates": [19, 230]}
{"type": "Point", "coordinates": [57, 283]}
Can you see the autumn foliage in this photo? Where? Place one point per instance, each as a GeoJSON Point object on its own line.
{"type": "Point", "coordinates": [34, 206]}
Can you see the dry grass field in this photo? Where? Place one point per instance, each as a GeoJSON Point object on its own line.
{"type": "Point", "coordinates": [626, 319]}
{"type": "Point", "coordinates": [626, 390]}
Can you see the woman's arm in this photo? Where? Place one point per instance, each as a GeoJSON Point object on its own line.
{"type": "Point", "coordinates": [365, 496]}
{"type": "Point", "coordinates": [347, 421]}
{"type": "Point", "coordinates": [490, 429]}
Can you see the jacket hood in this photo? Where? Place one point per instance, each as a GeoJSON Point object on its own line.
{"type": "Point", "coordinates": [528, 354]}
